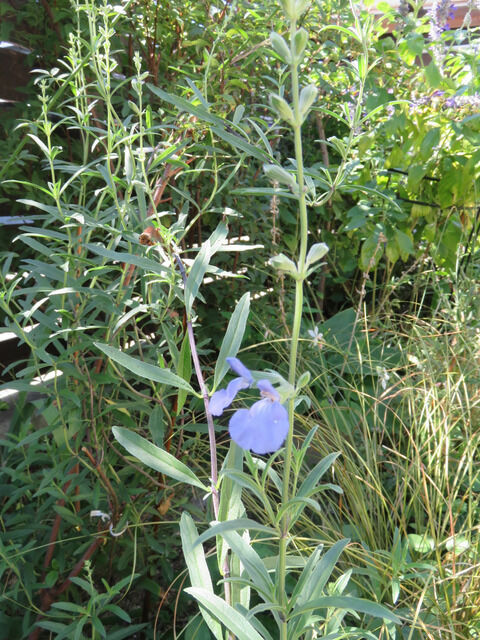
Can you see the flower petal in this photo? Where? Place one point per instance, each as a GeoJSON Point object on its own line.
{"type": "Point", "coordinates": [262, 428]}
{"type": "Point", "coordinates": [240, 369]}
{"type": "Point", "coordinates": [221, 399]}
{"type": "Point", "coordinates": [267, 390]}
{"type": "Point", "coordinates": [235, 385]}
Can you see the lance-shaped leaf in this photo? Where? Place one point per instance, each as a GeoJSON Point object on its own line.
{"type": "Point", "coordinates": [318, 575]}
{"type": "Point", "coordinates": [200, 264]}
{"type": "Point", "coordinates": [316, 252]}
{"type": "Point", "coordinates": [359, 605]}
{"type": "Point", "coordinates": [281, 47]}
{"type": "Point", "coordinates": [288, 7]}
{"type": "Point", "coordinates": [282, 263]}
{"type": "Point", "coordinates": [128, 258]}
{"type": "Point", "coordinates": [233, 338]}
{"type": "Point", "coordinates": [218, 124]}
{"type": "Point", "coordinates": [299, 42]}
{"type": "Point", "coordinates": [252, 563]}
{"type": "Point", "coordinates": [311, 583]}
{"type": "Point", "coordinates": [197, 568]}
{"type": "Point", "coordinates": [311, 481]}
{"type": "Point", "coordinates": [241, 591]}
{"type": "Point", "coordinates": [233, 620]}
{"type": "Point", "coordinates": [279, 174]}
{"type": "Point", "coordinates": [308, 95]}
{"type": "Point", "coordinates": [144, 369]}
{"type": "Point", "coordinates": [220, 528]}
{"type": "Point", "coordinates": [156, 458]}
{"type": "Point", "coordinates": [282, 108]}
{"type": "Point", "coordinates": [231, 507]}
{"type": "Point", "coordinates": [301, 6]}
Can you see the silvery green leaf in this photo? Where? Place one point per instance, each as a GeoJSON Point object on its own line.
{"type": "Point", "coordinates": [303, 380]}
{"type": "Point", "coordinates": [308, 96]}
{"type": "Point", "coordinates": [238, 115]}
{"type": "Point", "coordinates": [282, 263]}
{"type": "Point", "coordinates": [282, 108]}
{"type": "Point", "coordinates": [198, 568]}
{"type": "Point", "coordinates": [289, 7]}
{"type": "Point", "coordinates": [279, 174]}
{"type": "Point", "coordinates": [310, 185]}
{"type": "Point", "coordinates": [316, 253]}
{"type": "Point", "coordinates": [129, 164]}
{"type": "Point", "coordinates": [156, 458]}
{"type": "Point", "coordinates": [299, 42]}
{"type": "Point", "coordinates": [227, 615]}
{"type": "Point", "coordinates": [300, 7]}
{"type": "Point", "coordinates": [281, 47]}
{"type": "Point", "coordinates": [201, 263]}
{"type": "Point", "coordinates": [232, 338]}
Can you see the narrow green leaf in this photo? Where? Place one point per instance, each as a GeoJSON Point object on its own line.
{"type": "Point", "coordinates": [297, 504]}
{"type": "Point", "coordinates": [218, 124]}
{"type": "Point", "coordinates": [299, 43]}
{"type": "Point", "coordinates": [156, 458]}
{"type": "Point", "coordinates": [69, 606]}
{"type": "Point", "coordinates": [359, 605]}
{"type": "Point", "coordinates": [129, 258]}
{"type": "Point", "coordinates": [184, 105]}
{"type": "Point", "coordinates": [252, 562]}
{"type": "Point", "coordinates": [144, 369]}
{"type": "Point", "coordinates": [282, 263]}
{"type": "Point", "coordinates": [265, 191]}
{"type": "Point", "coordinates": [317, 572]}
{"type": "Point", "coordinates": [197, 567]}
{"type": "Point", "coordinates": [200, 264]}
{"type": "Point", "coordinates": [233, 338]}
{"type": "Point", "coordinates": [228, 616]}
{"type": "Point", "coordinates": [311, 583]}
{"type": "Point", "coordinates": [348, 32]}
{"type": "Point", "coordinates": [41, 144]}
{"type": "Point", "coordinates": [276, 173]}
{"type": "Point", "coordinates": [238, 114]}
{"type": "Point", "coordinates": [231, 506]}
{"type": "Point", "coordinates": [120, 613]}
{"type": "Point", "coordinates": [240, 143]}
{"type": "Point", "coordinates": [241, 590]}
{"type": "Point", "coordinates": [282, 108]}
{"type": "Point", "coordinates": [220, 528]}
{"type": "Point", "coordinates": [311, 481]}
{"type": "Point", "coordinates": [246, 481]}
{"type": "Point", "coordinates": [307, 98]}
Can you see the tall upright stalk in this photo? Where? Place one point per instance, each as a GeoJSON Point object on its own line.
{"type": "Point", "coordinates": [297, 319]}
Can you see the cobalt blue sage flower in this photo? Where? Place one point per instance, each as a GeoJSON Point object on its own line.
{"type": "Point", "coordinates": [262, 428]}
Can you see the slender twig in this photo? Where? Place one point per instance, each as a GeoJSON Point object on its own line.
{"type": "Point", "coordinates": [204, 392]}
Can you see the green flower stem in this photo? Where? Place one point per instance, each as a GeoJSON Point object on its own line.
{"type": "Point", "coordinates": [297, 320]}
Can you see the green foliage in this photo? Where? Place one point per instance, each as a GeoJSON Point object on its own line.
{"type": "Point", "coordinates": [167, 134]}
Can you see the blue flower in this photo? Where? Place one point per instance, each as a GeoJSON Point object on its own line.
{"type": "Point", "coordinates": [223, 398]}
{"type": "Point", "coordinates": [262, 428]}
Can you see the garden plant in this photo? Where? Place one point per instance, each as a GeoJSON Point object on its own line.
{"type": "Point", "coordinates": [248, 291]}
